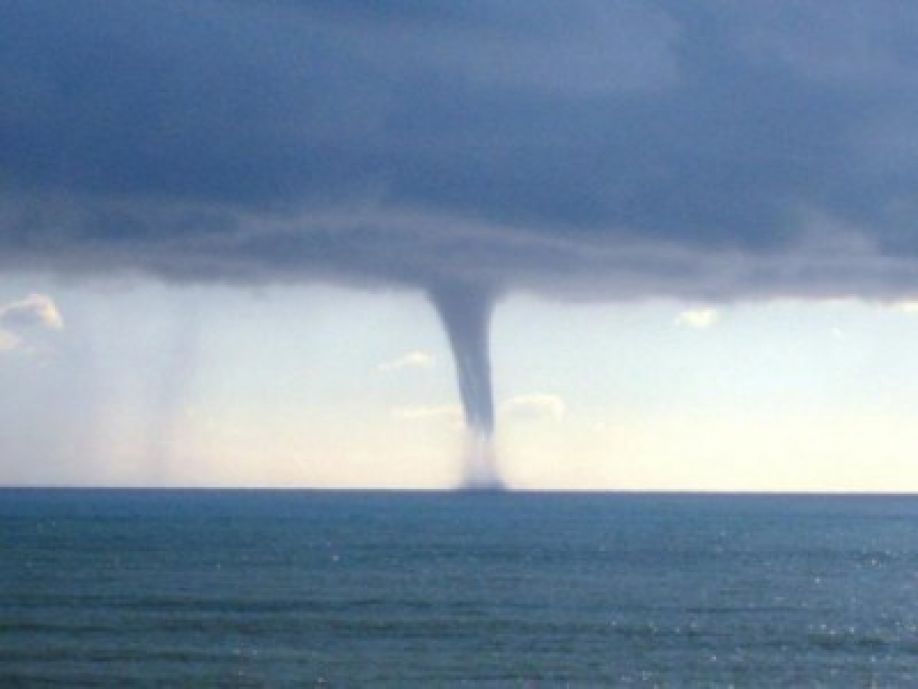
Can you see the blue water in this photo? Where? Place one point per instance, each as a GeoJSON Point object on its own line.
{"type": "Point", "coordinates": [262, 588]}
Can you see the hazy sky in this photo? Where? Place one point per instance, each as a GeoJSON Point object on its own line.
{"type": "Point", "coordinates": [694, 221]}
{"type": "Point", "coordinates": [289, 386]}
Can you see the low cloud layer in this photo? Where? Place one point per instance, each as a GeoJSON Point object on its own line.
{"type": "Point", "coordinates": [704, 150]}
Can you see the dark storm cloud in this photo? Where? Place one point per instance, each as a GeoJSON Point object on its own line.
{"type": "Point", "coordinates": [598, 148]}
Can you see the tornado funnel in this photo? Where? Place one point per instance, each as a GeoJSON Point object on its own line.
{"type": "Point", "coordinates": [465, 311]}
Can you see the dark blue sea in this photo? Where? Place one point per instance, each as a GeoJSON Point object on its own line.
{"type": "Point", "coordinates": [118, 588]}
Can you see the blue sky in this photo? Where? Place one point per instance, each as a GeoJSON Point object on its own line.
{"type": "Point", "coordinates": [222, 225]}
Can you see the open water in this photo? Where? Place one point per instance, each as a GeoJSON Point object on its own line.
{"type": "Point", "coordinates": [113, 588]}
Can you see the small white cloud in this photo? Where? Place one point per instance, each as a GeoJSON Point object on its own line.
{"type": "Point", "coordinates": [415, 359]}
{"type": "Point", "coordinates": [8, 341]}
{"type": "Point", "coordinates": [535, 406]}
{"type": "Point", "coordinates": [36, 310]}
{"type": "Point", "coordinates": [452, 412]}
{"type": "Point", "coordinates": [909, 306]}
{"type": "Point", "coordinates": [698, 318]}
{"type": "Point", "coordinates": [20, 319]}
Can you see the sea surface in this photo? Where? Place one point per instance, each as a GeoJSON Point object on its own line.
{"type": "Point", "coordinates": [119, 588]}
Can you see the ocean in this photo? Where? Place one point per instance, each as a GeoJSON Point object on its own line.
{"type": "Point", "coordinates": [159, 588]}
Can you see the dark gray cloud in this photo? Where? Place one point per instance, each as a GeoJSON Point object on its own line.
{"type": "Point", "coordinates": [616, 149]}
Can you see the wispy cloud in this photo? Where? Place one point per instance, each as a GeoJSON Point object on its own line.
{"type": "Point", "coordinates": [413, 359]}
{"type": "Point", "coordinates": [8, 341]}
{"type": "Point", "coordinates": [451, 412]}
{"type": "Point", "coordinates": [699, 318]}
{"type": "Point", "coordinates": [535, 406]}
{"type": "Point", "coordinates": [36, 310]}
